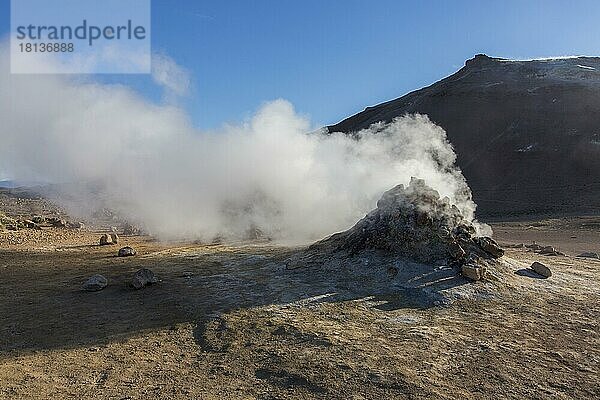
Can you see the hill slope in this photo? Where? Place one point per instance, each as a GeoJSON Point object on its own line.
{"type": "Point", "coordinates": [527, 133]}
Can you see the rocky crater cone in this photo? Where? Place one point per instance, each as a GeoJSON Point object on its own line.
{"type": "Point", "coordinates": [415, 223]}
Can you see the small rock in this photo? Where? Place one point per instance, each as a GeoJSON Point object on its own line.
{"type": "Point", "coordinates": [130, 229]}
{"type": "Point", "coordinates": [490, 246]}
{"type": "Point", "coordinates": [254, 233]}
{"type": "Point", "coordinates": [95, 283]}
{"type": "Point", "coordinates": [550, 251]}
{"type": "Point", "coordinates": [473, 272]}
{"type": "Point", "coordinates": [534, 246]}
{"type": "Point", "coordinates": [105, 240]}
{"type": "Point", "coordinates": [589, 254]}
{"type": "Point", "coordinates": [114, 237]}
{"type": "Point", "coordinates": [541, 269]}
{"type": "Point", "coordinates": [57, 222]}
{"type": "Point", "coordinates": [514, 245]}
{"type": "Point", "coordinates": [31, 225]}
{"type": "Point", "coordinates": [76, 225]}
{"type": "Point", "coordinates": [392, 272]}
{"type": "Point", "coordinates": [456, 251]}
{"type": "Point", "coordinates": [38, 219]}
{"type": "Point", "coordinates": [127, 252]}
{"type": "Point", "coordinates": [547, 250]}
{"type": "Point", "coordinates": [142, 278]}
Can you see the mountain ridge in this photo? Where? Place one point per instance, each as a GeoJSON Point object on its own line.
{"type": "Point", "coordinates": [525, 131]}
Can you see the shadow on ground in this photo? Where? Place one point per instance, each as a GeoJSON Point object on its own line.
{"type": "Point", "coordinates": [42, 305]}
{"type": "Point", "coordinates": [529, 273]}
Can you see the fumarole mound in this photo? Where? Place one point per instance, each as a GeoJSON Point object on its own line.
{"type": "Point", "coordinates": [415, 223]}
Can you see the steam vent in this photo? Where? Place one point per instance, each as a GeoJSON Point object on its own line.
{"type": "Point", "coordinates": [415, 223]}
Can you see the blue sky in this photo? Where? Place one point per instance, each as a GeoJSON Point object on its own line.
{"type": "Point", "coordinates": [332, 58]}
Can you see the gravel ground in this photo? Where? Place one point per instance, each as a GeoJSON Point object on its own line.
{"type": "Point", "coordinates": [233, 322]}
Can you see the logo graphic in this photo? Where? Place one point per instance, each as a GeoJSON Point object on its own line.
{"type": "Point", "coordinates": [80, 36]}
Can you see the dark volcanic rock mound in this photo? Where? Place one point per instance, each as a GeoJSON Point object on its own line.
{"type": "Point", "coordinates": [417, 224]}
{"type": "Point", "coordinates": [526, 133]}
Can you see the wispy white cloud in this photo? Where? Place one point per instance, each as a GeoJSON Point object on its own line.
{"type": "Point", "coordinates": [173, 78]}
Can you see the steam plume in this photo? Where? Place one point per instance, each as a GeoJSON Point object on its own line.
{"type": "Point", "coordinates": [267, 172]}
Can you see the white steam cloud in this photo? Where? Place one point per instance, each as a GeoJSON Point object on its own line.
{"type": "Point", "coordinates": [156, 170]}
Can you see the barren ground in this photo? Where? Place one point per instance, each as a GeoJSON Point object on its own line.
{"type": "Point", "coordinates": [232, 322]}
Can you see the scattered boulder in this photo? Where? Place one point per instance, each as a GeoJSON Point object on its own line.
{"type": "Point", "coordinates": [95, 283]}
{"type": "Point", "coordinates": [534, 246]}
{"type": "Point", "coordinates": [541, 269]}
{"type": "Point", "coordinates": [547, 250]}
{"type": "Point", "coordinates": [142, 278]}
{"type": "Point", "coordinates": [474, 272]}
{"type": "Point", "coordinates": [544, 250]}
{"type": "Point", "coordinates": [115, 238]}
{"type": "Point", "coordinates": [127, 252]}
{"type": "Point", "coordinates": [550, 251]}
{"type": "Point", "coordinates": [589, 254]}
{"type": "Point", "coordinates": [105, 240]}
